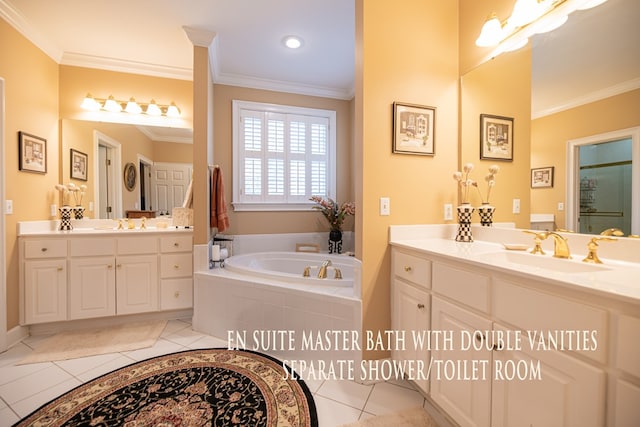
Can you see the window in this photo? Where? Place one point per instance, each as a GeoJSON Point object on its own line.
{"type": "Point", "coordinates": [282, 156]}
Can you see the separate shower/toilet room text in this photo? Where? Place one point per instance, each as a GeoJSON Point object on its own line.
{"type": "Point", "coordinates": [454, 355]}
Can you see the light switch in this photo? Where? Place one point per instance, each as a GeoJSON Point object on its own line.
{"type": "Point", "coordinates": [516, 206]}
{"type": "Point", "coordinates": [385, 208]}
{"type": "Point", "coordinates": [448, 212]}
{"type": "Point", "coordinates": [8, 207]}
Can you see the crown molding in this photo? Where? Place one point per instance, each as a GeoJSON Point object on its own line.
{"type": "Point", "coordinates": [588, 98]}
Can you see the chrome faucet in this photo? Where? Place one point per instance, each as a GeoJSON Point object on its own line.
{"type": "Point", "coordinates": [560, 244]}
{"type": "Point", "coordinates": [322, 271]}
{"type": "Point", "coordinates": [612, 232]}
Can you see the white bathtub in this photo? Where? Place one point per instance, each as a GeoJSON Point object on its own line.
{"type": "Point", "coordinates": [266, 291]}
{"type": "Point", "coordinates": [290, 266]}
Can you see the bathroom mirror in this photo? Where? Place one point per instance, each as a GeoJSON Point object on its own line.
{"type": "Point", "coordinates": [592, 58]}
{"type": "Point", "coordinates": [113, 147]}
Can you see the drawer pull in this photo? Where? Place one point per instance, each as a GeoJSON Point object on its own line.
{"type": "Point", "coordinates": [176, 244]}
{"type": "Point", "coordinates": [44, 249]}
{"type": "Point", "coordinates": [420, 306]}
{"type": "Point", "coordinates": [176, 266]}
{"type": "Point", "coordinates": [407, 268]}
{"type": "Point", "coordinates": [176, 294]}
{"type": "Point", "coordinates": [119, 265]}
{"type": "Point", "coordinates": [60, 268]}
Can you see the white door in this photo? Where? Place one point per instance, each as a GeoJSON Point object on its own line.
{"type": "Point", "coordinates": [169, 183]}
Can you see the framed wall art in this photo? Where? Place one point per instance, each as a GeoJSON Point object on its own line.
{"type": "Point", "coordinates": [413, 129]}
{"type": "Point", "coordinates": [32, 153]}
{"type": "Point", "coordinates": [130, 176]}
{"type": "Point", "coordinates": [542, 177]}
{"type": "Point", "coordinates": [79, 163]}
{"type": "Point", "coordinates": [496, 137]}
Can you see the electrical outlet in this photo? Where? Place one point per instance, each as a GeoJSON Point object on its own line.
{"type": "Point", "coordinates": [91, 206]}
{"type": "Point", "coordinates": [516, 206]}
{"type": "Point", "coordinates": [8, 207]}
{"type": "Point", "coordinates": [448, 212]}
{"type": "Point", "coordinates": [53, 210]}
{"type": "Point", "coordinates": [560, 206]}
{"type": "Point", "coordinates": [385, 208]}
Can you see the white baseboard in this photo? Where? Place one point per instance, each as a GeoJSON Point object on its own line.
{"type": "Point", "coordinates": [17, 334]}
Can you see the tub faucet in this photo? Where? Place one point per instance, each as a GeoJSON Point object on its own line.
{"type": "Point", "coordinates": [322, 271]}
{"type": "Point", "coordinates": [560, 245]}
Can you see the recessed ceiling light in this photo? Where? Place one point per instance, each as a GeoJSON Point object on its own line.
{"type": "Point", "coordinates": [292, 42]}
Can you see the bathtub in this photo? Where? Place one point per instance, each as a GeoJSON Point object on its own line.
{"type": "Point", "coordinates": [266, 291]}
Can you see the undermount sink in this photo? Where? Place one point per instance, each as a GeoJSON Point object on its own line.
{"type": "Point", "coordinates": [545, 262]}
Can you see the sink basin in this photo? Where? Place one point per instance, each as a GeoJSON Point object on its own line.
{"type": "Point", "coordinates": [545, 262]}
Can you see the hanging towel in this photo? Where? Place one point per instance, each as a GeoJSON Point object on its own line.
{"type": "Point", "coordinates": [188, 197]}
{"type": "Point", "coordinates": [219, 217]}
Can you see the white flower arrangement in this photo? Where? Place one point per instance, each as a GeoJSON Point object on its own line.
{"type": "Point", "coordinates": [490, 179]}
{"type": "Point", "coordinates": [466, 182]}
{"type": "Point", "coordinates": [66, 191]}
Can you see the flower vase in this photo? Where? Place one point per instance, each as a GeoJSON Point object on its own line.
{"type": "Point", "coordinates": [464, 223]}
{"type": "Point", "coordinates": [78, 212]}
{"type": "Point", "coordinates": [486, 214]}
{"type": "Point", "coordinates": [65, 218]}
{"type": "Point", "coordinates": [335, 241]}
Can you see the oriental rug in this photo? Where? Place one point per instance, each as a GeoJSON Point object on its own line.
{"type": "Point", "coordinates": [212, 387]}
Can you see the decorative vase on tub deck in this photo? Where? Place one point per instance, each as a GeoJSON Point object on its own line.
{"type": "Point", "coordinates": [465, 211]}
{"type": "Point", "coordinates": [335, 241]}
{"type": "Point", "coordinates": [486, 214]}
{"type": "Point", "coordinates": [65, 218]}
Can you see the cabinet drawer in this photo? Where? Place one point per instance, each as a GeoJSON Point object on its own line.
{"type": "Point", "coordinates": [465, 286]}
{"type": "Point", "coordinates": [45, 248]}
{"type": "Point", "coordinates": [137, 245]}
{"type": "Point", "coordinates": [533, 310]}
{"type": "Point", "coordinates": [176, 265]}
{"type": "Point", "coordinates": [92, 247]}
{"type": "Point", "coordinates": [176, 244]}
{"type": "Point", "coordinates": [176, 293]}
{"type": "Point", "coordinates": [628, 345]}
{"type": "Point", "coordinates": [412, 268]}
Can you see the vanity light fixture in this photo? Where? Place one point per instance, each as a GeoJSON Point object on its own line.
{"type": "Point", "coordinates": [292, 42]}
{"type": "Point", "coordinates": [113, 105]}
{"type": "Point", "coordinates": [529, 17]}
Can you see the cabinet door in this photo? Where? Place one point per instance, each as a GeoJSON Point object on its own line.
{"type": "Point", "coordinates": [136, 284]}
{"type": "Point", "coordinates": [467, 401]}
{"type": "Point", "coordinates": [410, 315]}
{"type": "Point", "coordinates": [92, 287]}
{"type": "Point", "coordinates": [45, 291]}
{"type": "Point", "coordinates": [560, 390]}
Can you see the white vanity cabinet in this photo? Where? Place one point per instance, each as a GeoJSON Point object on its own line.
{"type": "Point", "coordinates": [82, 276]}
{"type": "Point", "coordinates": [44, 279]}
{"type": "Point", "coordinates": [410, 300]}
{"type": "Point", "coordinates": [522, 386]}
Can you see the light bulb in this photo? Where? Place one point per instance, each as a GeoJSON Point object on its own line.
{"type": "Point", "coordinates": [173, 110]}
{"type": "Point", "coordinates": [112, 106]}
{"type": "Point", "coordinates": [89, 103]}
{"type": "Point", "coordinates": [491, 32]}
{"type": "Point", "coordinates": [153, 109]}
{"type": "Point", "coordinates": [133, 107]}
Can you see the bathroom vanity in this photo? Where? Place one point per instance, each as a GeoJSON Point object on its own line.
{"type": "Point", "coordinates": [100, 271]}
{"type": "Point", "coordinates": [535, 340]}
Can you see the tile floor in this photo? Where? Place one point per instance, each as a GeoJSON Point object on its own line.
{"type": "Point", "coordinates": [24, 388]}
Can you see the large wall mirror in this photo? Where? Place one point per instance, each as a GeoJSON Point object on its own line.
{"type": "Point", "coordinates": [584, 83]}
{"type": "Point", "coordinates": [162, 158]}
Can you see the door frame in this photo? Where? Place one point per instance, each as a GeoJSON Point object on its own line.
{"type": "Point", "coordinates": [3, 234]}
{"type": "Point", "coordinates": [573, 174]}
{"type": "Point", "coordinates": [148, 162]}
{"type": "Point", "coordinates": [101, 139]}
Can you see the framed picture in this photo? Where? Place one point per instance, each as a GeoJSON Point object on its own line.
{"type": "Point", "coordinates": [79, 163]}
{"type": "Point", "coordinates": [496, 137]}
{"type": "Point", "coordinates": [542, 177]}
{"type": "Point", "coordinates": [130, 176]}
{"type": "Point", "coordinates": [32, 153]}
{"type": "Point", "coordinates": [413, 129]}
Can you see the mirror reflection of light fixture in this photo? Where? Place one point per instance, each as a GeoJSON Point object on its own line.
{"type": "Point", "coordinates": [113, 105]}
{"type": "Point", "coordinates": [292, 42]}
{"type": "Point", "coordinates": [529, 17]}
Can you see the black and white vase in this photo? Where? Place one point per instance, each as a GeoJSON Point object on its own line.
{"type": "Point", "coordinates": [335, 241]}
{"type": "Point", "coordinates": [65, 218]}
{"type": "Point", "coordinates": [78, 212]}
{"type": "Point", "coordinates": [465, 211]}
{"type": "Point", "coordinates": [486, 214]}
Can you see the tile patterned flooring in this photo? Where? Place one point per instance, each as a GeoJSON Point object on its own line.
{"type": "Point", "coordinates": [24, 388]}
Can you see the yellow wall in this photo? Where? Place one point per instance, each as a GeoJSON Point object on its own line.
{"type": "Point", "coordinates": [172, 152]}
{"type": "Point", "coordinates": [31, 99]}
{"type": "Point", "coordinates": [499, 87]}
{"type": "Point", "coordinates": [280, 222]}
{"type": "Point", "coordinates": [549, 136]}
{"type": "Point", "coordinates": [407, 52]}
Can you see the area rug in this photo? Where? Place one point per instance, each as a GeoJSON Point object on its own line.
{"type": "Point", "coordinates": [90, 342]}
{"type": "Point", "coordinates": [414, 417]}
{"type": "Point", "coordinates": [212, 387]}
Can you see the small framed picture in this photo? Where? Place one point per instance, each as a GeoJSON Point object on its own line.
{"type": "Point", "coordinates": [130, 176]}
{"type": "Point", "coordinates": [542, 177]}
{"type": "Point", "coordinates": [32, 153]}
{"type": "Point", "coordinates": [496, 137]}
{"type": "Point", "coordinates": [79, 163]}
{"type": "Point", "coordinates": [413, 129]}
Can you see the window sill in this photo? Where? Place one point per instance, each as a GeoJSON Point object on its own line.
{"type": "Point", "coordinates": [272, 207]}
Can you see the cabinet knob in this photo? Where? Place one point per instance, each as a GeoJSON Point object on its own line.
{"type": "Point", "coordinates": [421, 306]}
{"type": "Point", "coordinates": [119, 265]}
{"type": "Point", "coordinates": [407, 268]}
{"type": "Point", "coordinates": [60, 268]}
{"type": "Point", "coordinates": [176, 294]}
{"type": "Point", "coordinates": [176, 266]}
{"type": "Point", "coordinates": [110, 266]}
{"type": "Point", "coordinates": [176, 244]}
{"type": "Point", "coordinates": [44, 249]}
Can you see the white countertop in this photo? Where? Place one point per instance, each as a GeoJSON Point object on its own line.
{"type": "Point", "coordinates": [96, 227]}
{"type": "Point", "coordinates": [616, 278]}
